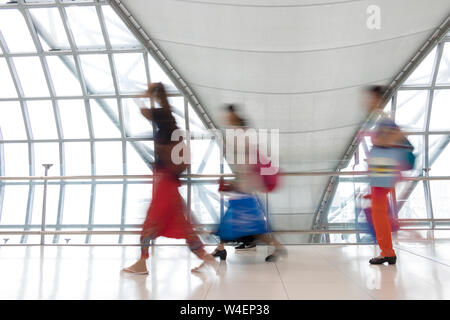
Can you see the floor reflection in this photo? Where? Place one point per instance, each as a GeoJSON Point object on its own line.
{"type": "Point", "coordinates": [311, 272]}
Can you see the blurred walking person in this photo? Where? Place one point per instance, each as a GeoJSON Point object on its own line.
{"type": "Point", "coordinates": [391, 153]}
{"type": "Point", "coordinates": [166, 214]}
{"type": "Point", "coordinates": [246, 215]}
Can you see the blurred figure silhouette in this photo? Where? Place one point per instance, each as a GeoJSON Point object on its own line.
{"type": "Point", "coordinates": [246, 214]}
{"type": "Point", "coordinates": [391, 153]}
{"type": "Point", "coordinates": [166, 214]}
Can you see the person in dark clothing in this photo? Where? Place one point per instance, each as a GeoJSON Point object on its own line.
{"type": "Point", "coordinates": [166, 214]}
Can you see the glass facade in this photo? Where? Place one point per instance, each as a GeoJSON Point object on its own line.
{"type": "Point", "coordinates": [71, 73]}
{"type": "Point", "coordinates": [421, 106]}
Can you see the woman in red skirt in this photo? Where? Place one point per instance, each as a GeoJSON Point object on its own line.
{"type": "Point", "coordinates": [166, 214]}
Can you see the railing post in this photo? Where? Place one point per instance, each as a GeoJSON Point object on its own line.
{"type": "Point", "coordinates": [44, 203]}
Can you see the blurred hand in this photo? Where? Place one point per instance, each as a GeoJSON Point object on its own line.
{"type": "Point", "coordinates": [147, 93]}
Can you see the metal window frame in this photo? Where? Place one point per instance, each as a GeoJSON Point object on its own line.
{"type": "Point", "coordinates": [437, 39]}
{"type": "Point", "coordinates": [190, 99]}
{"type": "Point", "coordinates": [38, 34]}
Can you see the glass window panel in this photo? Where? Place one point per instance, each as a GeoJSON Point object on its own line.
{"type": "Point", "coordinates": [51, 204]}
{"type": "Point", "coordinates": [158, 75]}
{"type": "Point", "coordinates": [97, 73]}
{"type": "Point", "coordinates": [11, 121]}
{"type": "Point", "coordinates": [411, 107]}
{"type": "Point", "coordinates": [343, 208]}
{"type": "Point", "coordinates": [76, 204]}
{"type": "Point", "coordinates": [138, 201]}
{"type": "Point", "coordinates": [42, 119]}
{"type": "Point", "coordinates": [180, 121]}
{"type": "Point", "coordinates": [119, 34]}
{"type": "Point", "coordinates": [443, 77]}
{"type": "Point", "coordinates": [108, 204]}
{"type": "Point", "coordinates": [31, 76]}
{"type": "Point", "coordinates": [201, 162]}
{"type": "Point", "coordinates": [77, 157]}
{"type": "Point", "coordinates": [135, 163]}
{"type": "Point", "coordinates": [85, 27]}
{"type": "Point", "coordinates": [7, 89]}
{"type": "Point", "coordinates": [362, 164]}
{"type": "Point", "coordinates": [177, 104]}
{"type": "Point", "coordinates": [440, 111]}
{"type": "Point", "coordinates": [131, 72]}
{"type": "Point", "coordinates": [411, 204]}
{"type": "Point", "coordinates": [15, 31]}
{"type": "Point", "coordinates": [105, 118]}
{"type": "Point", "coordinates": [226, 168]}
{"type": "Point", "coordinates": [14, 205]}
{"type": "Point", "coordinates": [64, 80]}
{"type": "Point", "coordinates": [205, 209]}
{"type": "Point", "coordinates": [52, 33]}
{"type": "Point", "coordinates": [195, 123]}
{"type": "Point", "coordinates": [46, 153]}
{"type": "Point", "coordinates": [33, 239]}
{"type": "Point", "coordinates": [422, 74]}
{"type": "Point", "coordinates": [135, 124]}
{"type": "Point", "coordinates": [13, 239]}
{"type": "Point", "coordinates": [73, 119]}
{"type": "Point", "coordinates": [108, 158]}
{"type": "Point", "coordinates": [130, 239]}
{"type": "Point", "coordinates": [440, 198]}
{"type": "Point", "coordinates": [183, 191]}
{"type": "Point", "coordinates": [72, 238]}
{"type": "Point", "coordinates": [439, 155]}
{"type": "Point", "coordinates": [16, 159]}
{"type": "Point", "coordinates": [104, 239]}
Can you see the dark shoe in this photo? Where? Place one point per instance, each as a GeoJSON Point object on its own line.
{"type": "Point", "coordinates": [390, 260]}
{"type": "Point", "coordinates": [276, 255]}
{"type": "Point", "coordinates": [244, 247]}
{"type": "Point", "coordinates": [222, 254]}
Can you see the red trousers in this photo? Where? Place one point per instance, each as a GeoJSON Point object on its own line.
{"type": "Point", "coordinates": [380, 218]}
{"type": "Point", "coordinates": [165, 216]}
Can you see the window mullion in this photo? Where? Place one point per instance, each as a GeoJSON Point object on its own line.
{"type": "Point", "coordinates": [77, 72]}
{"type": "Point", "coordinates": [430, 213]}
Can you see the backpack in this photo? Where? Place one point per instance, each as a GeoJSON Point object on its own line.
{"type": "Point", "coordinates": [270, 181]}
{"type": "Point", "coordinates": [408, 158]}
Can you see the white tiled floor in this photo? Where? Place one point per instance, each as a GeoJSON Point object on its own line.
{"type": "Point", "coordinates": [310, 272]}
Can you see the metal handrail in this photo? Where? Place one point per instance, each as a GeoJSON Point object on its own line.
{"type": "Point", "coordinates": [200, 176]}
{"type": "Point", "coordinates": [46, 178]}
{"type": "Point", "coordinates": [136, 232]}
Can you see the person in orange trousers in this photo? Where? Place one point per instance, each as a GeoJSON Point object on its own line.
{"type": "Point", "coordinates": [384, 170]}
{"type": "Point", "coordinates": [381, 222]}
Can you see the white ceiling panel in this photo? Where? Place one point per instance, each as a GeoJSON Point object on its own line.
{"type": "Point", "coordinates": [294, 65]}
